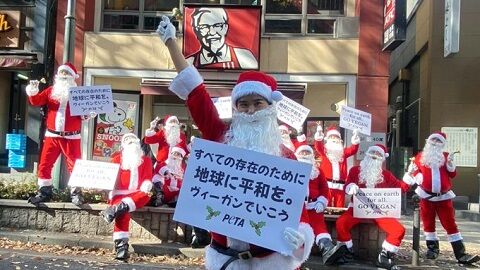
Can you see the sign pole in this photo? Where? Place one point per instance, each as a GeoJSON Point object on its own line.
{"type": "Point", "coordinates": [416, 231]}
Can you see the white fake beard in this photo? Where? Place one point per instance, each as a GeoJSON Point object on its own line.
{"type": "Point", "coordinates": [175, 165]}
{"type": "Point", "coordinates": [131, 156]}
{"type": "Point", "coordinates": [60, 88]}
{"type": "Point", "coordinates": [310, 159]}
{"type": "Point", "coordinates": [370, 172]}
{"type": "Point", "coordinates": [432, 155]}
{"type": "Point", "coordinates": [288, 142]}
{"type": "Point", "coordinates": [172, 133]}
{"type": "Point", "coordinates": [334, 151]}
{"type": "Point", "coordinates": [257, 132]}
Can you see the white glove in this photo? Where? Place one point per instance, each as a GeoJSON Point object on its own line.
{"type": "Point", "coordinates": [319, 134]}
{"type": "Point", "coordinates": [409, 179]}
{"type": "Point", "coordinates": [299, 130]}
{"type": "Point", "coordinates": [294, 238]}
{"type": "Point", "coordinates": [412, 167]}
{"type": "Point", "coordinates": [352, 189]}
{"type": "Point", "coordinates": [146, 187]}
{"type": "Point", "coordinates": [32, 88]}
{"type": "Point", "coordinates": [355, 137]}
{"type": "Point", "coordinates": [450, 164]}
{"type": "Point", "coordinates": [153, 124]}
{"type": "Point", "coordinates": [450, 157]}
{"type": "Point", "coordinates": [319, 207]}
{"type": "Point", "coordinates": [166, 30]}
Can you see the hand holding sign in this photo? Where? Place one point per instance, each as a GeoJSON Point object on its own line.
{"type": "Point", "coordinates": [351, 118]}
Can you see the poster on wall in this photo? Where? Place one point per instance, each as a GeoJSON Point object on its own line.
{"type": "Point", "coordinates": [222, 37]}
{"type": "Point", "coordinates": [110, 127]}
{"type": "Point", "coordinates": [463, 141]}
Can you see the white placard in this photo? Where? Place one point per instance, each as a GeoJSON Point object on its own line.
{"type": "Point", "coordinates": [451, 37]}
{"type": "Point", "coordinates": [291, 113]}
{"type": "Point", "coordinates": [86, 99]}
{"type": "Point", "coordinates": [94, 174]}
{"type": "Point", "coordinates": [242, 194]}
{"type": "Point", "coordinates": [224, 107]}
{"type": "Point", "coordinates": [377, 203]}
{"type": "Point", "coordinates": [367, 141]}
{"type": "Point", "coordinates": [351, 118]}
{"type": "Point", "coordinates": [463, 139]}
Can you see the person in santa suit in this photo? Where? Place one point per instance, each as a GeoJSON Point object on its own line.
{"type": "Point", "coordinates": [316, 203]}
{"type": "Point", "coordinates": [432, 171]}
{"type": "Point", "coordinates": [131, 191]}
{"type": "Point", "coordinates": [370, 174]}
{"type": "Point", "coordinates": [62, 135]}
{"type": "Point", "coordinates": [254, 126]}
{"type": "Point", "coordinates": [290, 143]}
{"type": "Point", "coordinates": [168, 180]}
{"type": "Point", "coordinates": [171, 135]}
{"type": "Point", "coordinates": [334, 161]}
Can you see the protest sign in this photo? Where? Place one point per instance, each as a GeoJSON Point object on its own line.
{"type": "Point", "coordinates": [224, 107]}
{"type": "Point", "coordinates": [377, 203]}
{"type": "Point", "coordinates": [242, 194]}
{"type": "Point", "coordinates": [94, 174]}
{"type": "Point", "coordinates": [351, 118]}
{"type": "Point", "coordinates": [86, 99]}
{"type": "Point", "coordinates": [292, 113]}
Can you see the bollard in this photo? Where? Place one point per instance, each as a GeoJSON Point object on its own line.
{"type": "Point", "coordinates": [416, 230]}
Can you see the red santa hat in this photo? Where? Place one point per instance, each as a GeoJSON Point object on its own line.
{"type": "Point", "coordinates": [304, 147]}
{"type": "Point", "coordinates": [439, 136]}
{"type": "Point", "coordinates": [169, 118]}
{"type": "Point", "coordinates": [178, 150]}
{"type": "Point", "coordinates": [284, 127]}
{"type": "Point", "coordinates": [332, 131]}
{"type": "Point", "coordinates": [380, 148]}
{"type": "Point", "coordinates": [70, 68]}
{"type": "Point", "coordinates": [256, 82]}
{"type": "Point", "coordinates": [128, 138]}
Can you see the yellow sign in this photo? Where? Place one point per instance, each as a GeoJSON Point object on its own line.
{"type": "Point", "coordinates": [9, 28]}
{"type": "Point", "coordinates": [4, 25]}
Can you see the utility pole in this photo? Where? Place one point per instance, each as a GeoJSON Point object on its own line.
{"type": "Point", "coordinates": [69, 39]}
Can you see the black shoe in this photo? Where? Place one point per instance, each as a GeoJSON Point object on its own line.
{"type": "Point", "coordinates": [77, 197]}
{"type": "Point", "coordinates": [44, 194]}
{"type": "Point", "coordinates": [113, 211]}
{"type": "Point", "coordinates": [201, 238]}
{"type": "Point", "coordinates": [385, 260]}
{"type": "Point", "coordinates": [330, 253]}
{"type": "Point", "coordinates": [433, 249]}
{"type": "Point", "coordinates": [461, 255]}
{"type": "Point", "coordinates": [121, 249]}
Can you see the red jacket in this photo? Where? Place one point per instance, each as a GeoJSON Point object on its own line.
{"type": "Point", "coordinates": [317, 187]}
{"type": "Point", "coordinates": [326, 165]}
{"type": "Point", "coordinates": [389, 180]}
{"type": "Point", "coordinates": [440, 178]}
{"type": "Point", "coordinates": [125, 184]}
{"type": "Point", "coordinates": [163, 147]}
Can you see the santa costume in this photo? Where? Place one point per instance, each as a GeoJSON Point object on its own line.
{"type": "Point", "coordinates": [290, 143]}
{"type": "Point", "coordinates": [130, 192]}
{"type": "Point", "coordinates": [334, 161]}
{"type": "Point", "coordinates": [432, 171]}
{"type": "Point", "coordinates": [62, 135]}
{"type": "Point", "coordinates": [371, 175]}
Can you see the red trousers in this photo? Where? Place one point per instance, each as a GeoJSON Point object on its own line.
{"type": "Point", "coordinates": [52, 147]}
{"type": "Point", "coordinates": [336, 198]}
{"type": "Point", "coordinates": [394, 229]}
{"type": "Point", "coordinates": [122, 222]}
{"type": "Point", "coordinates": [445, 212]}
{"type": "Point", "coordinates": [317, 222]}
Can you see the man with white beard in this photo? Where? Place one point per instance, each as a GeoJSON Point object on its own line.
{"type": "Point", "coordinates": [168, 137]}
{"type": "Point", "coordinates": [432, 170]}
{"type": "Point", "coordinates": [131, 191]}
{"type": "Point", "coordinates": [62, 133]}
{"type": "Point", "coordinates": [334, 161]}
{"type": "Point", "coordinates": [371, 175]}
{"type": "Point", "coordinates": [290, 143]}
{"type": "Point", "coordinates": [254, 126]}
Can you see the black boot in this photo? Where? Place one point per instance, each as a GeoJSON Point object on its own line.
{"type": "Point", "coordinates": [385, 260]}
{"type": "Point", "coordinates": [461, 255]}
{"type": "Point", "coordinates": [44, 194]}
{"type": "Point", "coordinates": [113, 211]}
{"type": "Point", "coordinates": [330, 252]}
{"type": "Point", "coordinates": [121, 249]}
{"type": "Point", "coordinates": [433, 249]}
{"type": "Point", "coordinates": [159, 196]}
{"type": "Point", "coordinates": [201, 238]}
{"type": "Point", "coordinates": [77, 197]}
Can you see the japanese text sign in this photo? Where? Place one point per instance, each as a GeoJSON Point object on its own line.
{"type": "Point", "coordinates": [94, 174]}
{"type": "Point", "coordinates": [377, 203]}
{"type": "Point", "coordinates": [351, 118]}
{"type": "Point", "coordinates": [224, 107]}
{"type": "Point", "coordinates": [242, 194]}
{"type": "Point", "coordinates": [86, 99]}
{"type": "Point", "coordinates": [292, 113]}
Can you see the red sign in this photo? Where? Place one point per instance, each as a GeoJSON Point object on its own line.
{"type": "Point", "coordinates": [388, 13]}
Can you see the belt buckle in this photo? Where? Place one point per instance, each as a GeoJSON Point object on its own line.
{"type": "Point", "coordinates": [438, 194]}
{"type": "Point", "coordinates": [245, 255]}
{"type": "Point", "coordinates": [61, 133]}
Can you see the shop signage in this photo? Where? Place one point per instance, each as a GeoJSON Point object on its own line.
{"type": "Point", "coordinates": [463, 141]}
{"type": "Point", "coordinates": [394, 24]}
{"type": "Point", "coordinates": [451, 37]}
{"type": "Point", "coordinates": [9, 29]}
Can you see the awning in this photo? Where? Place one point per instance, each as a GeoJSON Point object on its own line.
{"type": "Point", "coordinates": [10, 60]}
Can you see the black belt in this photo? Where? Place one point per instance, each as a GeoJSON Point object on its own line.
{"type": "Point", "coordinates": [236, 255]}
{"type": "Point", "coordinates": [434, 194]}
{"type": "Point", "coordinates": [64, 133]}
{"type": "Point", "coordinates": [336, 181]}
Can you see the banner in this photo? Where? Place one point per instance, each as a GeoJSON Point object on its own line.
{"type": "Point", "coordinates": [291, 113]}
{"type": "Point", "coordinates": [94, 174]}
{"type": "Point", "coordinates": [242, 194]}
{"type": "Point", "coordinates": [86, 99]}
{"type": "Point", "coordinates": [377, 203]}
{"type": "Point", "coordinates": [224, 107]}
{"type": "Point", "coordinates": [351, 118]}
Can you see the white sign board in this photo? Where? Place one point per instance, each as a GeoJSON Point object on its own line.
{"type": "Point", "coordinates": [377, 203]}
{"type": "Point", "coordinates": [367, 141]}
{"type": "Point", "coordinates": [86, 99]}
{"type": "Point", "coordinates": [94, 174]}
{"type": "Point", "coordinates": [224, 107]}
{"type": "Point", "coordinates": [292, 113]}
{"type": "Point", "coordinates": [351, 118]}
{"type": "Point", "coordinates": [465, 140]}
{"type": "Point", "coordinates": [242, 194]}
{"type": "Point", "coordinates": [451, 37]}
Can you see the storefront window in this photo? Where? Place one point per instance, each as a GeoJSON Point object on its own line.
{"type": "Point", "coordinates": [321, 26]}
{"type": "Point", "coordinates": [283, 26]}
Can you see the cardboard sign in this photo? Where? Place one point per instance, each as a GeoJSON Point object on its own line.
{"type": "Point", "coordinates": [367, 141]}
{"type": "Point", "coordinates": [224, 107]}
{"type": "Point", "coordinates": [351, 118]}
{"type": "Point", "coordinates": [291, 113]}
{"type": "Point", "coordinates": [242, 194]}
{"type": "Point", "coordinates": [377, 203]}
{"type": "Point", "coordinates": [94, 174]}
{"type": "Point", "coordinates": [86, 99]}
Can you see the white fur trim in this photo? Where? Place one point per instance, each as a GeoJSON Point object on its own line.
{"type": "Point", "coordinates": [451, 166]}
{"type": "Point", "coordinates": [113, 193]}
{"type": "Point", "coordinates": [60, 116]}
{"type": "Point", "coordinates": [431, 236]}
{"type": "Point", "coordinates": [185, 82]}
{"type": "Point", "coordinates": [447, 196]}
{"type": "Point", "coordinates": [333, 132]}
{"type": "Point", "coordinates": [318, 136]}
{"type": "Point", "coordinates": [301, 138]}
{"type": "Point", "coordinates": [322, 236]}
{"type": "Point", "coordinates": [349, 187]}
{"type": "Point", "coordinates": [162, 171]}
{"type": "Point", "coordinates": [120, 235]}
{"type": "Point", "coordinates": [157, 178]}
{"type": "Point", "coordinates": [146, 186]}
{"type": "Point", "coordinates": [348, 243]}
{"type": "Point", "coordinates": [338, 186]}
{"type": "Point", "coordinates": [389, 247]}
{"type": "Point", "coordinates": [31, 91]}
{"type": "Point", "coordinates": [131, 204]}
{"type": "Point", "coordinates": [69, 70]}
{"type": "Point", "coordinates": [377, 149]}
{"type": "Point", "coordinates": [179, 150]}
{"type": "Point", "coordinates": [323, 200]}
{"type": "Point", "coordinates": [335, 170]}
{"type": "Point", "coordinates": [454, 237]}
{"type": "Point", "coordinates": [150, 132]}
{"type": "Point", "coordinates": [251, 87]}
{"type": "Point", "coordinates": [437, 136]}
{"type": "Point", "coordinates": [436, 180]}
{"type": "Point", "coordinates": [44, 182]}
{"type": "Point", "coordinates": [304, 148]}
{"type": "Point", "coordinates": [419, 178]}
{"type": "Point", "coordinates": [277, 96]}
